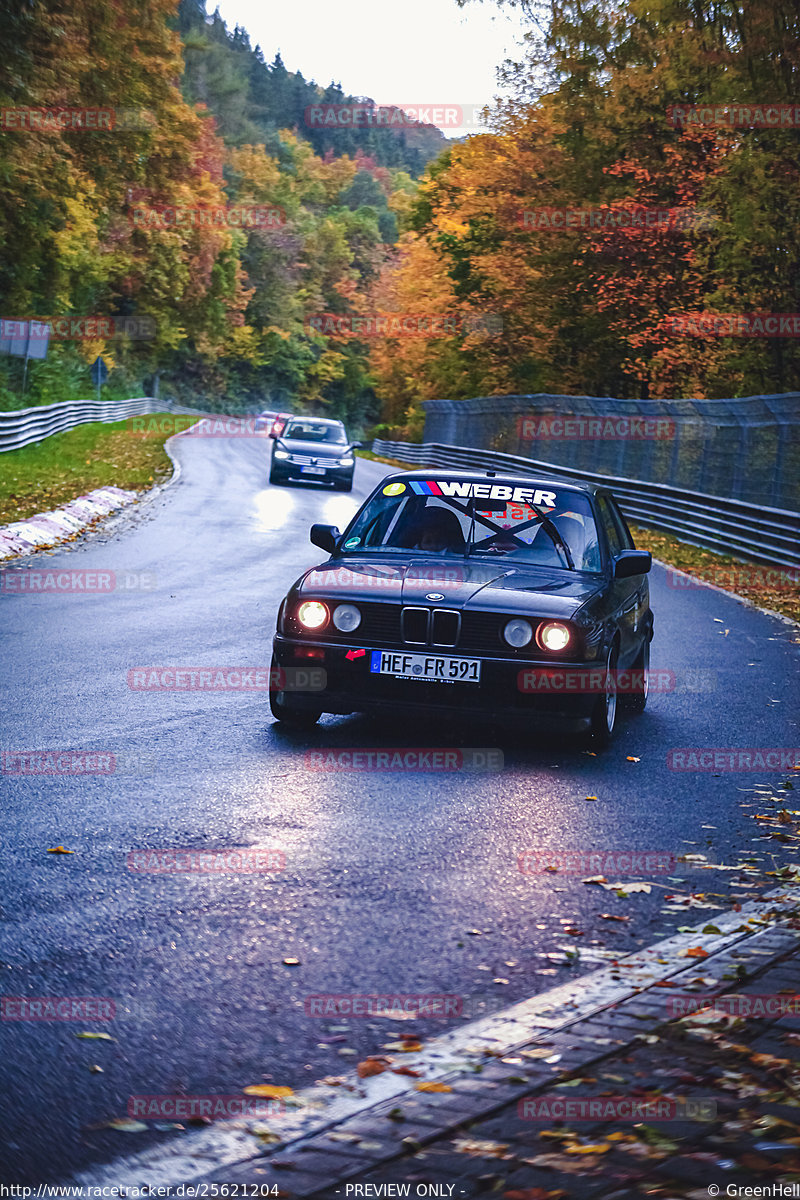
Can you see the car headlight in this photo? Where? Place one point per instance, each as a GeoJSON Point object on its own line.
{"type": "Point", "coordinates": [347, 461]}
{"type": "Point", "coordinates": [312, 614]}
{"type": "Point", "coordinates": [281, 454]}
{"type": "Point", "coordinates": [346, 618]}
{"type": "Point", "coordinates": [518, 633]}
{"type": "Point", "coordinates": [553, 636]}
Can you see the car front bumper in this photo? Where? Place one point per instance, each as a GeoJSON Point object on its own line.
{"type": "Point", "coordinates": [329, 473]}
{"type": "Point", "coordinates": [508, 687]}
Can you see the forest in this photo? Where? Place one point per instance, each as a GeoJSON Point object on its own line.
{"type": "Point", "coordinates": [640, 173]}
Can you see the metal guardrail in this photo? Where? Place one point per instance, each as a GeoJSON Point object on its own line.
{"type": "Point", "coordinates": [769, 535]}
{"type": "Point", "coordinates": [29, 425]}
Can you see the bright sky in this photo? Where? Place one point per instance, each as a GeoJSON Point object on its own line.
{"type": "Point", "coordinates": [421, 52]}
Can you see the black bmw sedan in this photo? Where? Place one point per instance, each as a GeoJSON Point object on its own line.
{"type": "Point", "coordinates": [499, 597]}
{"type": "Point", "coordinates": [314, 449]}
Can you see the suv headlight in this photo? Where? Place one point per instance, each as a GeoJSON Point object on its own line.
{"type": "Point", "coordinates": [312, 614]}
{"type": "Point", "coordinates": [281, 454]}
{"type": "Point", "coordinates": [347, 461]}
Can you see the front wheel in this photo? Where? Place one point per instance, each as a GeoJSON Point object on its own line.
{"type": "Point", "coordinates": [300, 718]}
{"type": "Point", "coordinates": [283, 710]}
{"type": "Point", "coordinates": [604, 715]}
{"type": "Point", "coordinates": [274, 477]}
{"type": "Point", "coordinates": [636, 699]}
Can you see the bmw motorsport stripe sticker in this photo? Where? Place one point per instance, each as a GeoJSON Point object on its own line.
{"type": "Point", "coordinates": [425, 489]}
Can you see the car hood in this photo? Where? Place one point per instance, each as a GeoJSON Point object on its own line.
{"type": "Point", "coordinates": [454, 582]}
{"type": "Point", "coordinates": [315, 449]}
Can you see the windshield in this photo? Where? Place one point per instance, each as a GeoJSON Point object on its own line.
{"type": "Point", "coordinates": [522, 524]}
{"type": "Point", "coordinates": [315, 431]}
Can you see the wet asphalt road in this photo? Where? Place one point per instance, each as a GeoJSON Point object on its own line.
{"type": "Point", "coordinates": [386, 874]}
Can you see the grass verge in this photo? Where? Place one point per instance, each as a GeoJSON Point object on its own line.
{"type": "Point", "coordinates": [773, 588]}
{"type": "Point", "coordinates": [47, 474]}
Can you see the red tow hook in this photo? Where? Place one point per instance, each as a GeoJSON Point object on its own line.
{"type": "Point", "coordinates": [353, 654]}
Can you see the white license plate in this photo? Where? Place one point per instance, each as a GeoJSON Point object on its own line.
{"type": "Point", "coordinates": [312, 470]}
{"type": "Point", "coordinates": [433, 667]}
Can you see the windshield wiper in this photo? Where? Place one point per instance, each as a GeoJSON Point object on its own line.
{"type": "Point", "coordinates": [555, 536]}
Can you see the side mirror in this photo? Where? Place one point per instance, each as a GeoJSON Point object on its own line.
{"type": "Point", "coordinates": [356, 445]}
{"type": "Point", "coordinates": [632, 562]}
{"type": "Point", "coordinates": [325, 536]}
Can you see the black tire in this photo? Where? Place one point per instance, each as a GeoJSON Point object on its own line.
{"type": "Point", "coordinates": [636, 699]}
{"type": "Point", "coordinates": [284, 711]}
{"type": "Point", "coordinates": [274, 477]}
{"type": "Point", "coordinates": [604, 715]}
{"type": "Point", "coordinates": [300, 718]}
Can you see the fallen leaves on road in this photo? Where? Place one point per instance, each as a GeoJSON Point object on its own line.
{"type": "Point", "coordinates": [373, 1065]}
{"type": "Point", "coordinates": [535, 1193]}
{"type": "Point", "coordinates": [60, 850]}
{"type": "Point", "coordinates": [125, 1125]}
{"type": "Point", "coordinates": [484, 1149]}
{"type": "Point", "coordinates": [95, 1037]}
{"type": "Point", "coordinates": [591, 1148]}
{"type": "Point", "coordinates": [695, 952]}
{"type": "Point", "coordinates": [268, 1090]}
{"type": "Point", "coordinates": [430, 1086]}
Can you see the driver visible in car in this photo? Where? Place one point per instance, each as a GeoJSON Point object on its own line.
{"type": "Point", "coordinates": [436, 529]}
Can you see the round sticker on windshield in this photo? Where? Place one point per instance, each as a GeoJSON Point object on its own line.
{"type": "Point", "coordinates": [394, 489]}
{"type": "Point", "coordinates": [351, 543]}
